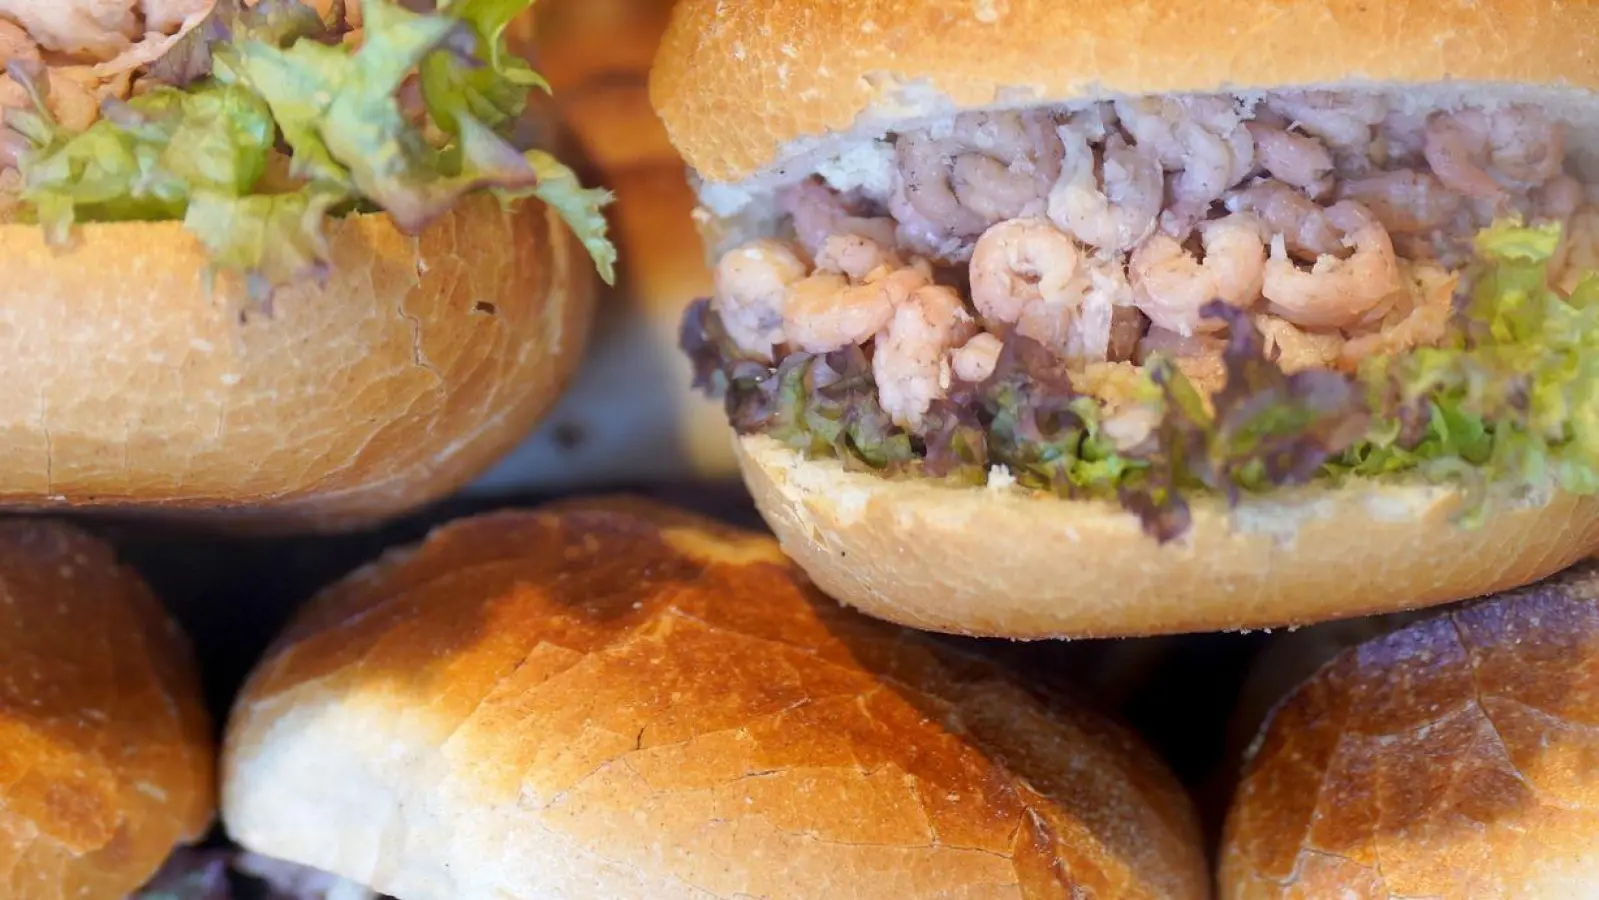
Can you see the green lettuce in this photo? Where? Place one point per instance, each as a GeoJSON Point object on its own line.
{"type": "Point", "coordinates": [1509, 398]}
{"type": "Point", "coordinates": [261, 124]}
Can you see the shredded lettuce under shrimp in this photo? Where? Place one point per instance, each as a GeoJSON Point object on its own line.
{"type": "Point", "coordinates": [1510, 398]}
{"type": "Point", "coordinates": [262, 123]}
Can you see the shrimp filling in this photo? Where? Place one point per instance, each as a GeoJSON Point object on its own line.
{"type": "Point", "coordinates": [1061, 291]}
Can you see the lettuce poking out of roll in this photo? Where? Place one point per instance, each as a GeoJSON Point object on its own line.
{"type": "Point", "coordinates": [262, 122]}
{"type": "Point", "coordinates": [1509, 398]}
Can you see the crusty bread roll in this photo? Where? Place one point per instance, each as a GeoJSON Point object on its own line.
{"type": "Point", "coordinates": [1452, 758]}
{"type": "Point", "coordinates": [758, 97]}
{"type": "Point", "coordinates": [751, 88]}
{"type": "Point", "coordinates": [419, 363]}
{"type": "Point", "coordinates": [106, 754]}
{"type": "Point", "coordinates": [1011, 562]}
{"type": "Point", "coordinates": [611, 699]}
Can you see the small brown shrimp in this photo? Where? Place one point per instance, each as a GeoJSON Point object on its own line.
{"type": "Point", "coordinates": [1284, 211]}
{"type": "Point", "coordinates": [1201, 139]}
{"type": "Point", "coordinates": [819, 213]}
{"type": "Point", "coordinates": [1484, 154]}
{"type": "Point", "coordinates": [1113, 211]}
{"type": "Point", "coordinates": [910, 360]}
{"type": "Point", "coordinates": [1405, 201]}
{"type": "Point", "coordinates": [1294, 159]}
{"type": "Point", "coordinates": [1171, 286]}
{"type": "Point", "coordinates": [1334, 292]}
{"type": "Point", "coordinates": [974, 361]}
{"type": "Point", "coordinates": [751, 281]}
{"type": "Point", "coordinates": [855, 256]}
{"type": "Point", "coordinates": [991, 167]}
{"type": "Point", "coordinates": [1029, 274]}
{"type": "Point", "coordinates": [1557, 199]}
{"type": "Point", "coordinates": [1343, 121]}
{"type": "Point", "coordinates": [824, 312]}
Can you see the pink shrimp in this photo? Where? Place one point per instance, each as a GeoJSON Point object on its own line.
{"type": "Point", "coordinates": [1335, 292]}
{"type": "Point", "coordinates": [910, 361]}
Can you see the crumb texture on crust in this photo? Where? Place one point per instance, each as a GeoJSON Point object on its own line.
{"type": "Point", "coordinates": [1456, 757]}
{"type": "Point", "coordinates": [419, 362]}
{"type": "Point", "coordinates": [610, 699]}
{"type": "Point", "coordinates": [106, 753]}
{"type": "Point", "coordinates": [1014, 563]}
{"type": "Point", "coordinates": [736, 83]}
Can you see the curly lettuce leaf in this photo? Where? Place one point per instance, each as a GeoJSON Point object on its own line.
{"type": "Point", "coordinates": [144, 159]}
{"type": "Point", "coordinates": [493, 91]}
{"type": "Point", "coordinates": [582, 208]}
{"type": "Point", "coordinates": [276, 22]}
{"type": "Point", "coordinates": [275, 238]}
{"type": "Point", "coordinates": [272, 75]}
{"type": "Point", "coordinates": [1512, 397]}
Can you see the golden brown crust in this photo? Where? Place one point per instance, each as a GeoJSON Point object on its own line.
{"type": "Point", "coordinates": [106, 754]}
{"type": "Point", "coordinates": [421, 361]}
{"type": "Point", "coordinates": [613, 699]}
{"type": "Point", "coordinates": [736, 82]}
{"type": "Point", "coordinates": [1453, 758]}
{"type": "Point", "coordinates": [1014, 563]}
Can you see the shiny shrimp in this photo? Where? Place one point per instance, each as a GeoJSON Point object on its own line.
{"type": "Point", "coordinates": [1170, 286]}
{"type": "Point", "coordinates": [1483, 154]}
{"type": "Point", "coordinates": [824, 312]}
{"type": "Point", "coordinates": [910, 361]}
{"type": "Point", "coordinates": [1115, 212]}
{"type": "Point", "coordinates": [1344, 122]}
{"type": "Point", "coordinates": [1405, 201]}
{"type": "Point", "coordinates": [1202, 139]}
{"type": "Point", "coordinates": [991, 167]}
{"type": "Point", "coordinates": [974, 361]}
{"type": "Point", "coordinates": [819, 213]}
{"type": "Point", "coordinates": [1284, 211]}
{"type": "Point", "coordinates": [1294, 159]}
{"type": "Point", "coordinates": [751, 282]}
{"type": "Point", "coordinates": [1031, 275]}
{"type": "Point", "coordinates": [1334, 292]}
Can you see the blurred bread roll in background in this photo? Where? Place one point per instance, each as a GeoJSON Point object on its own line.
{"type": "Point", "coordinates": [630, 416]}
{"type": "Point", "coordinates": [107, 761]}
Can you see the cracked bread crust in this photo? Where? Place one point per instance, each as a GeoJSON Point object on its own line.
{"type": "Point", "coordinates": [1452, 758]}
{"type": "Point", "coordinates": [107, 758]}
{"type": "Point", "coordinates": [610, 699]}
{"type": "Point", "coordinates": [419, 362]}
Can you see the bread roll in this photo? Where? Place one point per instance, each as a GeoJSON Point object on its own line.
{"type": "Point", "coordinates": [106, 754]}
{"type": "Point", "coordinates": [1005, 561]}
{"type": "Point", "coordinates": [612, 699]}
{"type": "Point", "coordinates": [419, 363]}
{"type": "Point", "coordinates": [1452, 758]}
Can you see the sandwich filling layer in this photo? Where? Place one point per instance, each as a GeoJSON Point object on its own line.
{"type": "Point", "coordinates": [254, 122]}
{"type": "Point", "coordinates": [1145, 298]}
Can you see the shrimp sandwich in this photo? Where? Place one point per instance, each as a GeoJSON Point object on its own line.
{"type": "Point", "coordinates": [1055, 319]}
{"type": "Point", "coordinates": [276, 261]}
